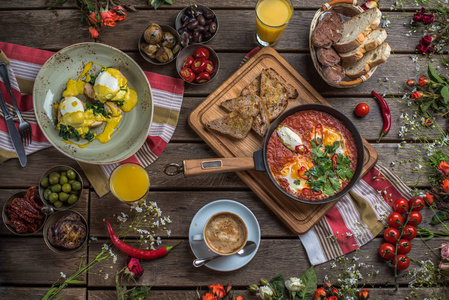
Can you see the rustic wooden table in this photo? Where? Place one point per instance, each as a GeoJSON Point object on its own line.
{"type": "Point", "coordinates": [28, 267]}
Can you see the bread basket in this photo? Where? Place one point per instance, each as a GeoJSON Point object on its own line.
{"type": "Point", "coordinates": [347, 8]}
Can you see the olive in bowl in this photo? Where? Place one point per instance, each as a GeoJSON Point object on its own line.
{"type": "Point", "coordinates": [197, 64]}
{"type": "Point", "coordinates": [199, 22]}
{"type": "Point", "coordinates": [61, 187]}
{"type": "Point", "coordinates": [159, 44]}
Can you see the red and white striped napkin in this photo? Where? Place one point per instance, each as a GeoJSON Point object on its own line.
{"type": "Point", "coordinates": [24, 64]}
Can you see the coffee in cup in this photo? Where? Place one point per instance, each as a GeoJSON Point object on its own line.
{"type": "Point", "coordinates": [225, 233]}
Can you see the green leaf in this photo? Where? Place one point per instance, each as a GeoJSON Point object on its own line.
{"type": "Point", "coordinates": [169, 2]}
{"type": "Point", "coordinates": [310, 280]}
{"type": "Point", "coordinates": [440, 216]}
{"type": "Point", "coordinates": [297, 182]}
{"type": "Point", "coordinates": [445, 93]}
{"type": "Point", "coordinates": [74, 281]}
{"type": "Point", "coordinates": [433, 75]}
{"type": "Point", "coordinates": [277, 283]}
{"type": "Point", "coordinates": [57, 3]}
{"type": "Point", "coordinates": [335, 183]}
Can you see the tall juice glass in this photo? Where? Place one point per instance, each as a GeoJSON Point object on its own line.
{"type": "Point", "coordinates": [272, 16]}
{"type": "Point", "coordinates": [129, 182]}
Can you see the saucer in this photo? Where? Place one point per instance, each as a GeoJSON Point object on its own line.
{"type": "Point", "coordinates": [200, 249]}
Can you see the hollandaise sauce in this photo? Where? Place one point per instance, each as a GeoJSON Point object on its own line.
{"type": "Point", "coordinates": [129, 182]}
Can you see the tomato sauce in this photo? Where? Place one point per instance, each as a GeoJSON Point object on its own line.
{"type": "Point", "coordinates": [304, 123]}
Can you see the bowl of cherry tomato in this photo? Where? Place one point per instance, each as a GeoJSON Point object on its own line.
{"type": "Point", "coordinates": [197, 64]}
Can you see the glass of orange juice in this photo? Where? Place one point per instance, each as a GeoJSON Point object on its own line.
{"type": "Point", "coordinates": [272, 16]}
{"type": "Point", "coordinates": [129, 182]}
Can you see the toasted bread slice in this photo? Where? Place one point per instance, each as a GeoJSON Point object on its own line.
{"type": "Point", "coordinates": [261, 121]}
{"type": "Point", "coordinates": [253, 87]}
{"type": "Point", "coordinates": [373, 40]}
{"type": "Point", "coordinates": [291, 91]}
{"type": "Point", "coordinates": [233, 124]}
{"type": "Point", "coordinates": [369, 60]}
{"type": "Point", "coordinates": [274, 94]}
{"type": "Point", "coordinates": [247, 105]}
{"type": "Point", "coordinates": [355, 29]}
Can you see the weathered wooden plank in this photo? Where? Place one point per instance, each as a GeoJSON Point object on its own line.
{"type": "Point", "coordinates": [182, 207]}
{"type": "Point", "coordinates": [236, 29]}
{"type": "Point", "coordinates": [229, 4]}
{"type": "Point", "coordinates": [12, 293]}
{"type": "Point", "coordinates": [276, 256]}
{"type": "Point", "coordinates": [81, 207]}
{"type": "Point", "coordinates": [28, 260]}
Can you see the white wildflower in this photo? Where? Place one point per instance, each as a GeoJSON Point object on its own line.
{"type": "Point", "coordinates": [63, 275]}
{"type": "Point", "coordinates": [294, 284]}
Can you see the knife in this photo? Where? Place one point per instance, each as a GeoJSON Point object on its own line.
{"type": "Point", "coordinates": [14, 134]}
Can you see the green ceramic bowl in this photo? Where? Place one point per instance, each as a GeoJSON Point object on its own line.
{"type": "Point", "coordinates": [69, 62]}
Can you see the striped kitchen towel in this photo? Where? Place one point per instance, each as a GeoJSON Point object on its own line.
{"type": "Point", "coordinates": [356, 218]}
{"type": "Point", "coordinates": [24, 63]}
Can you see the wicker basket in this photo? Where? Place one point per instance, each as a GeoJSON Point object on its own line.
{"type": "Point", "coordinates": [347, 8]}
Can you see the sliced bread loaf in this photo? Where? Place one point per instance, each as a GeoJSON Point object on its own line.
{"type": "Point", "coordinates": [369, 60]}
{"type": "Point", "coordinates": [354, 30]}
{"type": "Point", "coordinates": [327, 32]}
{"type": "Point", "coordinates": [247, 105]}
{"type": "Point", "coordinates": [232, 124]}
{"type": "Point", "coordinates": [327, 56]}
{"type": "Point", "coordinates": [372, 41]}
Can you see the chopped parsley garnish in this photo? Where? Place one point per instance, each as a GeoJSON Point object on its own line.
{"type": "Point", "coordinates": [89, 136]}
{"type": "Point", "coordinates": [119, 102]}
{"type": "Point", "coordinates": [325, 176]}
{"type": "Point", "coordinates": [98, 108]}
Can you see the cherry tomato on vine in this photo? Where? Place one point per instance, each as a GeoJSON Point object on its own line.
{"type": "Point", "coordinates": [429, 199]}
{"type": "Point", "coordinates": [395, 220]}
{"type": "Point", "coordinates": [403, 262]}
{"type": "Point", "coordinates": [410, 232]}
{"type": "Point", "coordinates": [404, 246]}
{"type": "Point", "coordinates": [391, 235]}
{"type": "Point", "coordinates": [417, 203]}
{"type": "Point", "coordinates": [387, 250]}
{"type": "Point", "coordinates": [414, 218]}
{"type": "Point", "coordinates": [400, 205]}
{"type": "Point", "coordinates": [362, 109]}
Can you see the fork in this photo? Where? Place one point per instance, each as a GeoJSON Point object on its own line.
{"type": "Point", "coordinates": [24, 126]}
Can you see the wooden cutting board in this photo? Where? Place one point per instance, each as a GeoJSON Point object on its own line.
{"type": "Point", "coordinates": [299, 217]}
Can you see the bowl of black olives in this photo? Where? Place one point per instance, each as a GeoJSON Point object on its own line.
{"type": "Point", "coordinates": [159, 44]}
{"type": "Point", "coordinates": [199, 22]}
{"type": "Point", "coordinates": [61, 187]}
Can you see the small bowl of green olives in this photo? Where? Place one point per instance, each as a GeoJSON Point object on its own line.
{"type": "Point", "coordinates": [61, 187]}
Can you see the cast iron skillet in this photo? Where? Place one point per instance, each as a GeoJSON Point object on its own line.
{"type": "Point", "coordinates": [259, 159]}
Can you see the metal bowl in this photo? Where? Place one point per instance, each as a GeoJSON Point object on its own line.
{"type": "Point", "coordinates": [165, 28]}
{"type": "Point", "coordinates": [5, 217]}
{"type": "Point", "coordinates": [54, 218]}
{"type": "Point", "coordinates": [181, 13]}
{"type": "Point", "coordinates": [189, 51]}
{"type": "Point", "coordinates": [60, 169]}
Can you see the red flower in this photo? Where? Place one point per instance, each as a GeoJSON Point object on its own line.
{"type": "Point", "coordinates": [120, 13]}
{"type": "Point", "coordinates": [428, 19]}
{"type": "Point", "coordinates": [428, 122]}
{"type": "Point", "coordinates": [423, 81]}
{"type": "Point", "coordinates": [417, 18]}
{"type": "Point", "coordinates": [444, 167]}
{"type": "Point", "coordinates": [422, 48]}
{"type": "Point", "coordinates": [364, 294]}
{"type": "Point", "coordinates": [239, 298]}
{"type": "Point", "coordinates": [218, 290]}
{"type": "Point", "coordinates": [108, 18]}
{"type": "Point", "coordinates": [411, 82]}
{"type": "Point", "coordinates": [426, 40]}
{"type": "Point", "coordinates": [209, 296]}
{"type": "Point", "coordinates": [133, 267]}
{"type": "Point", "coordinates": [445, 185]}
{"type": "Point", "coordinates": [417, 95]}
{"type": "Point", "coordinates": [320, 293]}
{"type": "Point", "coordinates": [93, 32]}
{"type": "Point", "coordinates": [93, 18]}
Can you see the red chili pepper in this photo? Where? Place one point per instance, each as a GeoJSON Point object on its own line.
{"type": "Point", "coordinates": [134, 252]}
{"type": "Point", "coordinates": [334, 161]}
{"type": "Point", "coordinates": [201, 52]}
{"type": "Point", "coordinates": [300, 148]}
{"type": "Point", "coordinates": [199, 65]}
{"type": "Point", "coordinates": [385, 114]}
{"type": "Point", "coordinates": [209, 67]}
{"type": "Point", "coordinates": [318, 134]}
{"type": "Point", "coordinates": [202, 77]}
{"type": "Point", "coordinates": [309, 192]}
{"type": "Point", "coordinates": [302, 173]}
{"type": "Point", "coordinates": [187, 74]}
{"type": "Point", "coordinates": [188, 63]}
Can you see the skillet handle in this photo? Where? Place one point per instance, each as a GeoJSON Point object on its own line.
{"type": "Point", "coordinates": [217, 165]}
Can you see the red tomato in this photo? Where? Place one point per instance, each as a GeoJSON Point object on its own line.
{"type": "Point", "coordinates": [395, 220]}
{"type": "Point", "coordinates": [404, 246]}
{"type": "Point", "coordinates": [188, 62]}
{"type": "Point", "coordinates": [429, 199]}
{"type": "Point", "coordinates": [387, 250]}
{"type": "Point", "coordinates": [410, 232]}
{"type": "Point", "coordinates": [417, 204]}
{"type": "Point", "coordinates": [201, 53]}
{"type": "Point", "coordinates": [391, 235]}
{"type": "Point", "coordinates": [400, 205]}
{"type": "Point", "coordinates": [362, 109]}
{"type": "Point", "coordinates": [403, 262]}
{"type": "Point", "coordinates": [414, 218]}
